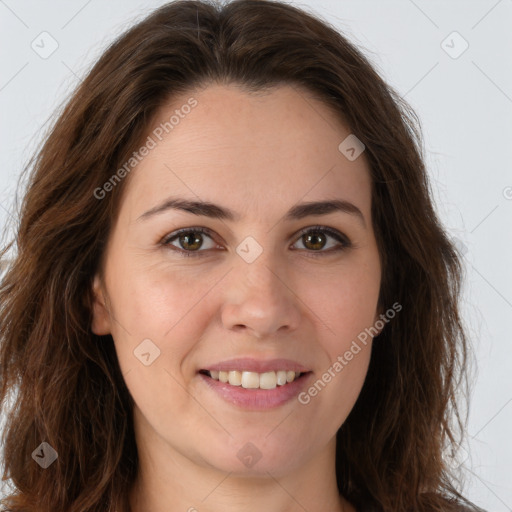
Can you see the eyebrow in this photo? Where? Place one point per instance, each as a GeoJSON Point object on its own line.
{"type": "Point", "coordinates": [214, 211]}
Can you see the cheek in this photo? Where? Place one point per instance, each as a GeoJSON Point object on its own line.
{"type": "Point", "coordinates": [154, 300]}
{"type": "Point", "coordinates": [346, 378]}
{"type": "Point", "coordinates": [345, 304]}
{"type": "Point", "coordinates": [157, 312]}
{"type": "Point", "coordinates": [168, 309]}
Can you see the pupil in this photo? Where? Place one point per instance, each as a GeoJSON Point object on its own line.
{"type": "Point", "coordinates": [194, 239]}
{"type": "Point", "coordinates": [313, 236]}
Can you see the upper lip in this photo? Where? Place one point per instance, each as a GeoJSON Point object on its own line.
{"type": "Point", "coordinates": [256, 365]}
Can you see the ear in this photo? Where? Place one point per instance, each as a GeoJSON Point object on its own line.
{"type": "Point", "coordinates": [100, 314]}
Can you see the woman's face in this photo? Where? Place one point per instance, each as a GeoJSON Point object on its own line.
{"type": "Point", "coordinates": [254, 286]}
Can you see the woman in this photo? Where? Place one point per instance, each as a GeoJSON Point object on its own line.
{"type": "Point", "coordinates": [231, 289]}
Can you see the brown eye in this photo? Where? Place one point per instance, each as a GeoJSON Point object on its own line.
{"type": "Point", "coordinates": [190, 240]}
{"type": "Point", "coordinates": [316, 238]}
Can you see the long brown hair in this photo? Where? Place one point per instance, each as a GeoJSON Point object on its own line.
{"type": "Point", "coordinates": [70, 393]}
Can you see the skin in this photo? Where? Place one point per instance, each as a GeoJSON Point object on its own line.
{"type": "Point", "coordinates": [258, 155]}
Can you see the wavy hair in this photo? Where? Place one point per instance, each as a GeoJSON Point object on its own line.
{"type": "Point", "coordinates": [66, 382]}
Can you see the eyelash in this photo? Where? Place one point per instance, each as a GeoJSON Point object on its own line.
{"type": "Point", "coordinates": [344, 241]}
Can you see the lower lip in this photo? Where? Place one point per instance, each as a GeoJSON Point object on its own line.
{"type": "Point", "coordinates": [257, 399]}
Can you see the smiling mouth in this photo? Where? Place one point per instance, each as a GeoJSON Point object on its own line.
{"type": "Point", "coordinates": [255, 380]}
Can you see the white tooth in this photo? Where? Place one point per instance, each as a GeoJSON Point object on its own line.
{"type": "Point", "coordinates": [250, 380]}
{"type": "Point", "coordinates": [235, 378]}
{"type": "Point", "coordinates": [268, 380]}
{"type": "Point", "coordinates": [281, 377]}
{"type": "Point", "coordinates": [254, 380]}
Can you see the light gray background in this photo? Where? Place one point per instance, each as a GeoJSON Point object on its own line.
{"type": "Point", "coordinates": [465, 106]}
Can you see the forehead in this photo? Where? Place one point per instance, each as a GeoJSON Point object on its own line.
{"type": "Point", "coordinates": [251, 152]}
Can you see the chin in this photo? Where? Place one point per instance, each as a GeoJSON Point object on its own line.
{"type": "Point", "coordinates": [249, 457]}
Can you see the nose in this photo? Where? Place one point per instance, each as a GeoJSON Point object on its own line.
{"type": "Point", "coordinates": [260, 299]}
